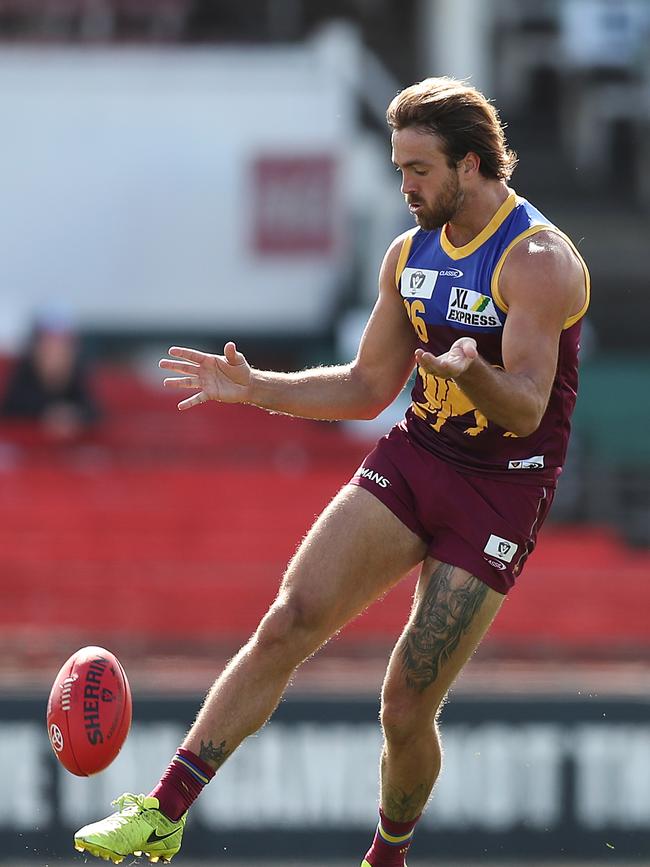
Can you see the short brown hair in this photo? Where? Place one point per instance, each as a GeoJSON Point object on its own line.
{"type": "Point", "coordinates": [461, 117]}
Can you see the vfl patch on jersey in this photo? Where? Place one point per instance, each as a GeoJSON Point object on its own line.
{"type": "Point", "coordinates": [502, 549]}
{"type": "Point", "coordinates": [417, 282]}
{"type": "Point", "coordinates": [536, 463]}
{"type": "Point", "coordinates": [468, 307]}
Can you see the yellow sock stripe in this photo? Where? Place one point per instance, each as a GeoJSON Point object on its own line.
{"type": "Point", "coordinates": [194, 771]}
{"type": "Point", "coordinates": [389, 838]}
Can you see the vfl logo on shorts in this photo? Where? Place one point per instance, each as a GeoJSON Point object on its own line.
{"type": "Point", "coordinates": [373, 476]}
{"type": "Point", "coordinates": [500, 548]}
{"type": "Point", "coordinates": [536, 463]}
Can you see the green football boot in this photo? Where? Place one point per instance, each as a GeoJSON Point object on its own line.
{"type": "Point", "coordinates": [137, 828]}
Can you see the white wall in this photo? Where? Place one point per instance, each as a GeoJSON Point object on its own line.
{"type": "Point", "coordinates": [127, 190]}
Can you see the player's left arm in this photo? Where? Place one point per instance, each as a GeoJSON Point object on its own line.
{"type": "Point", "coordinates": [543, 284]}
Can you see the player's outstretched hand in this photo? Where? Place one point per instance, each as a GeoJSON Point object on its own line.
{"type": "Point", "coordinates": [213, 377]}
{"type": "Point", "coordinates": [452, 363]}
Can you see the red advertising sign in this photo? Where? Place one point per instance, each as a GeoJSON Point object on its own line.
{"type": "Point", "coordinates": [293, 204]}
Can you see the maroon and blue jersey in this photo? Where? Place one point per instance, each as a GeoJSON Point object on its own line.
{"type": "Point", "coordinates": [451, 292]}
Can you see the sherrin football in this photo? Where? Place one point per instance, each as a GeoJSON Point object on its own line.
{"type": "Point", "coordinates": [89, 711]}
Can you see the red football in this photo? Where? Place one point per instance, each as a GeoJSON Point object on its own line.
{"type": "Point", "coordinates": [89, 711]}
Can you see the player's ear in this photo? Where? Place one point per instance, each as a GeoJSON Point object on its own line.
{"type": "Point", "coordinates": [470, 164]}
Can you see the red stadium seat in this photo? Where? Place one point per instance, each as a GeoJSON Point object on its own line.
{"type": "Point", "coordinates": [208, 506]}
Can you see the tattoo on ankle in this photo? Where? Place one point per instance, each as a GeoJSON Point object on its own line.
{"type": "Point", "coordinates": [401, 806]}
{"type": "Point", "coordinates": [214, 755]}
{"type": "Point", "coordinates": [444, 613]}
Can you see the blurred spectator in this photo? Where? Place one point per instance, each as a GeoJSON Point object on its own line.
{"type": "Point", "coordinates": [49, 383]}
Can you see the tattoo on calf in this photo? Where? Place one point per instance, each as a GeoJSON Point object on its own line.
{"type": "Point", "coordinates": [444, 613]}
{"type": "Point", "coordinates": [401, 806]}
{"type": "Point", "coordinates": [214, 755]}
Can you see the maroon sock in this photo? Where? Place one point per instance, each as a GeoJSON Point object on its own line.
{"type": "Point", "coordinates": [391, 843]}
{"type": "Point", "coordinates": [182, 783]}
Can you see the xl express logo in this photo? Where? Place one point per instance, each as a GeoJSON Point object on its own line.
{"type": "Point", "coordinates": [468, 307]}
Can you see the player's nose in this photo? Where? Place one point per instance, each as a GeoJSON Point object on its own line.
{"type": "Point", "coordinates": [408, 186]}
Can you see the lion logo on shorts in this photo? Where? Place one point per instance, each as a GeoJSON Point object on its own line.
{"type": "Point", "coordinates": [445, 400]}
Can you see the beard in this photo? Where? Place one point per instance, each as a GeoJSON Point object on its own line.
{"type": "Point", "coordinates": [430, 217]}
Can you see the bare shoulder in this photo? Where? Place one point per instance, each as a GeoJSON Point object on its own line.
{"type": "Point", "coordinates": [395, 251]}
{"type": "Point", "coordinates": [544, 266]}
{"type": "Point", "coordinates": [398, 242]}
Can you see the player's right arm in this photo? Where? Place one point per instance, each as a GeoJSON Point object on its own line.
{"type": "Point", "coordinates": [360, 389]}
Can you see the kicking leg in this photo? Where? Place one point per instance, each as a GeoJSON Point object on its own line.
{"type": "Point", "coordinates": [451, 613]}
{"type": "Point", "coordinates": [353, 554]}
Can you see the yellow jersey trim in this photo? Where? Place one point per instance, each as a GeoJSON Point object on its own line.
{"type": "Point", "coordinates": [460, 252]}
{"type": "Point", "coordinates": [577, 316]}
{"type": "Point", "coordinates": [403, 255]}
{"type": "Point", "coordinates": [533, 230]}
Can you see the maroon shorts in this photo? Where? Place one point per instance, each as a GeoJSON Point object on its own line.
{"type": "Point", "coordinates": [486, 526]}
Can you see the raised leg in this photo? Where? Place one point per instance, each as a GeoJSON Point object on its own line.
{"type": "Point", "coordinates": [353, 554]}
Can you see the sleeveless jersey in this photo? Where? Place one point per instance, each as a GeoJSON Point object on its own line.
{"type": "Point", "coordinates": [451, 292]}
